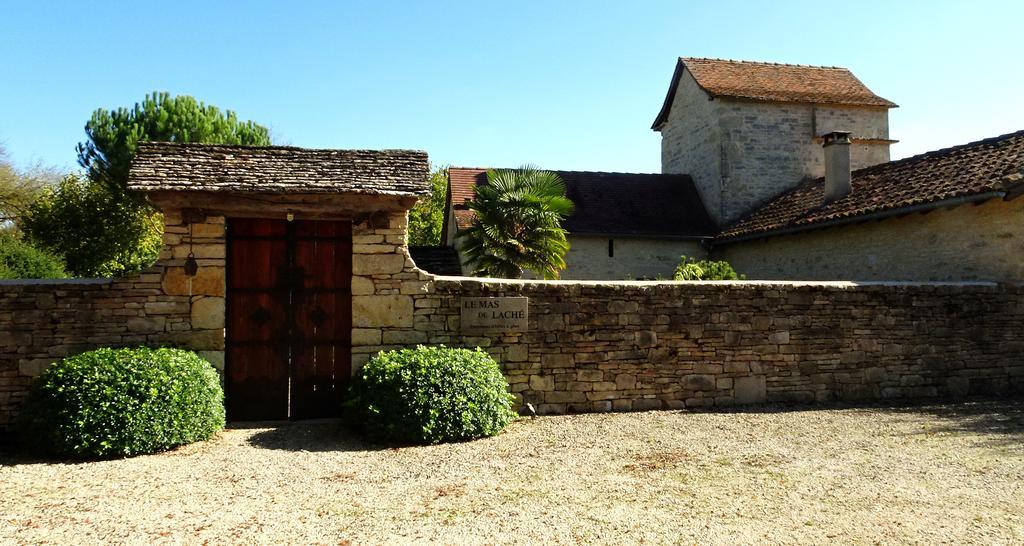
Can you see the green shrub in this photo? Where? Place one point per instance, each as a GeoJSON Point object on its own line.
{"type": "Point", "coordinates": [691, 269]}
{"type": "Point", "coordinates": [120, 402]}
{"type": "Point", "coordinates": [99, 232]}
{"type": "Point", "coordinates": [21, 260]}
{"type": "Point", "coordinates": [431, 395]}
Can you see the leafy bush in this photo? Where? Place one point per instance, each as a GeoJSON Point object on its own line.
{"type": "Point", "coordinates": [691, 269]}
{"type": "Point", "coordinates": [431, 395]}
{"type": "Point", "coordinates": [120, 402]}
{"type": "Point", "coordinates": [100, 232]}
{"type": "Point", "coordinates": [20, 260]}
{"type": "Point", "coordinates": [426, 218]}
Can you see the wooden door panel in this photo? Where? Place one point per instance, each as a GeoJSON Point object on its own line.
{"type": "Point", "coordinates": [257, 264]}
{"type": "Point", "coordinates": [256, 372]}
{"type": "Point", "coordinates": [321, 316]}
{"type": "Point", "coordinates": [257, 383]}
{"type": "Point", "coordinates": [258, 227]}
{"type": "Point", "coordinates": [322, 310]}
{"type": "Point", "coordinates": [319, 378]}
{"type": "Point", "coordinates": [289, 320]}
{"type": "Point", "coordinates": [257, 316]}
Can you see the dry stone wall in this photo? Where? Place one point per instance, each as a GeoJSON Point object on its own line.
{"type": "Point", "coordinates": [631, 346]}
{"type": "Point", "coordinates": [44, 321]}
{"type": "Point", "coordinates": [588, 345]}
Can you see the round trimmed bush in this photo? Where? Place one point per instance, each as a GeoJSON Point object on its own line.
{"type": "Point", "coordinates": [121, 402]}
{"type": "Point", "coordinates": [431, 395]}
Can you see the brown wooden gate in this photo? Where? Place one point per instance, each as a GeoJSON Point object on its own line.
{"type": "Point", "coordinates": [289, 318]}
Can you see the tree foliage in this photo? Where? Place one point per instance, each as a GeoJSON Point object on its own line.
{"type": "Point", "coordinates": [113, 135]}
{"type": "Point", "coordinates": [19, 188]}
{"type": "Point", "coordinates": [99, 226]}
{"type": "Point", "coordinates": [692, 269]}
{"type": "Point", "coordinates": [97, 229]}
{"type": "Point", "coordinates": [21, 260]}
{"type": "Point", "coordinates": [518, 225]}
{"type": "Point", "coordinates": [426, 219]}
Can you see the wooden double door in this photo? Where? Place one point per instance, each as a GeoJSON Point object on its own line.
{"type": "Point", "coordinates": [289, 318]}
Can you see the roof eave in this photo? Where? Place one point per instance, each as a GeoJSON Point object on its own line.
{"type": "Point", "coordinates": [640, 235]}
{"type": "Point", "coordinates": [662, 116]}
{"type": "Point", "coordinates": [855, 219]}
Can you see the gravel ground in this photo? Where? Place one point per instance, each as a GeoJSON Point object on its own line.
{"type": "Point", "coordinates": [929, 474]}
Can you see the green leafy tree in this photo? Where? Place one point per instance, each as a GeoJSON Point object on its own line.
{"type": "Point", "coordinates": [427, 218]}
{"type": "Point", "coordinates": [99, 226]}
{"type": "Point", "coordinates": [692, 269]}
{"type": "Point", "coordinates": [18, 188]}
{"type": "Point", "coordinates": [113, 135]}
{"type": "Point", "coordinates": [20, 260]}
{"type": "Point", "coordinates": [518, 225]}
{"type": "Point", "coordinates": [98, 231]}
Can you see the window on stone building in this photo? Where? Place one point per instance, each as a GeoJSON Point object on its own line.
{"type": "Point", "coordinates": [611, 248]}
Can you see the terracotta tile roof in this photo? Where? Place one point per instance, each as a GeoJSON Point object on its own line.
{"type": "Point", "coordinates": [772, 82]}
{"type": "Point", "coordinates": [984, 169]}
{"type": "Point", "coordinates": [162, 166]}
{"type": "Point", "coordinates": [607, 203]}
{"type": "Point", "coordinates": [439, 260]}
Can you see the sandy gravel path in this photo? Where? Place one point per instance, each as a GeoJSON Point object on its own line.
{"type": "Point", "coordinates": [928, 474]}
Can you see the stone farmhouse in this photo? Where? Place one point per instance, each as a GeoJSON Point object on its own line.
{"type": "Point", "coordinates": [785, 171]}
{"type": "Point", "coordinates": [287, 269]}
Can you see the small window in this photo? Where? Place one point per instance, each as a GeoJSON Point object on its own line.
{"type": "Point", "coordinates": [611, 248]}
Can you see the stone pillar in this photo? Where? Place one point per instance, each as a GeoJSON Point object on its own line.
{"type": "Point", "coordinates": [384, 281]}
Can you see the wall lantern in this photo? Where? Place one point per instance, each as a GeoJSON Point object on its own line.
{"type": "Point", "coordinates": [191, 265]}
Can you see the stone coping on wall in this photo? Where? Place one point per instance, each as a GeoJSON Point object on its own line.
{"type": "Point", "coordinates": [750, 283]}
{"type": "Point", "coordinates": [54, 282]}
{"type": "Point", "coordinates": [496, 281]}
{"type": "Point", "coordinates": [610, 283]}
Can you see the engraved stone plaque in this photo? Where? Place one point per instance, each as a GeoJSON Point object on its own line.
{"type": "Point", "coordinates": [495, 314]}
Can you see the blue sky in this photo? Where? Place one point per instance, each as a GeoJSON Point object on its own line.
{"type": "Point", "coordinates": [564, 85]}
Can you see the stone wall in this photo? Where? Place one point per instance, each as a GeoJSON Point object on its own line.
{"type": "Point", "coordinates": [969, 242]}
{"type": "Point", "coordinates": [589, 346]}
{"type": "Point", "coordinates": [44, 321]}
{"type": "Point", "coordinates": [594, 346]}
{"type": "Point", "coordinates": [742, 153]}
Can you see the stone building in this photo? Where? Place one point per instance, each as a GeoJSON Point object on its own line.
{"type": "Point", "coordinates": [747, 131]}
{"type": "Point", "coordinates": [952, 214]}
{"type": "Point", "coordinates": [754, 140]}
{"type": "Point", "coordinates": [624, 226]}
{"type": "Point", "coordinates": [288, 269]}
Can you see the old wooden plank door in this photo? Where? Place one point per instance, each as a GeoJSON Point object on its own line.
{"type": "Point", "coordinates": [289, 318]}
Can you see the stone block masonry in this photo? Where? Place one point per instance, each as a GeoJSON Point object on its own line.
{"type": "Point", "coordinates": [46, 320]}
{"type": "Point", "coordinates": [588, 345]}
{"type": "Point", "coordinates": [595, 346]}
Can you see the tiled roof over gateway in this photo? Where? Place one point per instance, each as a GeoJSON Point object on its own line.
{"type": "Point", "coordinates": [165, 166]}
{"type": "Point", "coordinates": [990, 168]}
{"type": "Point", "coordinates": [773, 82]}
{"type": "Point", "coordinates": [606, 203]}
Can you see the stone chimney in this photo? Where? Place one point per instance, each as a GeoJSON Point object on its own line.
{"type": "Point", "coordinates": [837, 166]}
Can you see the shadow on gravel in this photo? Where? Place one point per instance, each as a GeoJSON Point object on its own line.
{"type": "Point", "coordinates": [327, 435]}
{"type": "Point", "coordinates": [1000, 419]}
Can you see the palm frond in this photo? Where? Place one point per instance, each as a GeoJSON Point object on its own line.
{"type": "Point", "coordinates": [518, 224]}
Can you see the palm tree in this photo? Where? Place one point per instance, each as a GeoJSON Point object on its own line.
{"type": "Point", "coordinates": [518, 225]}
